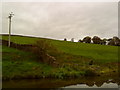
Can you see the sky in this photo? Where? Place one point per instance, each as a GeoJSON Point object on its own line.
{"type": "Point", "coordinates": [59, 20]}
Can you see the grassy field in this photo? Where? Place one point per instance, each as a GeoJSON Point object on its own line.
{"type": "Point", "coordinates": [74, 57]}
{"type": "Point", "coordinates": [100, 53]}
{"type": "Point", "coordinates": [18, 64]}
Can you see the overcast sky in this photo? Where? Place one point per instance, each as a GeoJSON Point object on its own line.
{"type": "Point", "coordinates": [62, 19]}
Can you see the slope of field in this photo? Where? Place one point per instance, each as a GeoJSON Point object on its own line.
{"type": "Point", "coordinates": [99, 53]}
{"type": "Point", "coordinates": [73, 57]}
{"type": "Point", "coordinates": [17, 64]}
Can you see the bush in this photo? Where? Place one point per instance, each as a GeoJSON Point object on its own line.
{"type": "Point", "coordinates": [42, 48]}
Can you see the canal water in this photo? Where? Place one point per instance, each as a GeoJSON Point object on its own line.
{"type": "Point", "coordinates": [84, 82]}
{"type": "Point", "coordinates": [105, 85]}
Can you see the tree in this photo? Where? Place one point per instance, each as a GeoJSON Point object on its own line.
{"type": "Point", "coordinates": [105, 39]}
{"type": "Point", "coordinates": [103, 42]}
{"type": "Point", "coordinates": [65, 39]}
{"type": "Point", "coordinates": [109, 39]}
{"type": "Point", "coordinates": [115, 38]}
{"type": "Point", "coordinates": [111, 42]}
{"type": "Point", "coordinates": [96, 40]}
{"type": "Point", "coordinates": [115, 41]}
{"type": "Point", "coordinates": [87, 39]}
{"type": "Point", "coordinates": [80, 40]}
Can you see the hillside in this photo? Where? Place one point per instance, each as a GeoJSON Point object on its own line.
{"type": "Point", "coordinates": [73, 57]}
{"type": "Point", "coordinates": [101, 53]}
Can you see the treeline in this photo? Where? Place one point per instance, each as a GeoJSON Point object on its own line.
{"type": "Point", "coordinates": [115, 41]}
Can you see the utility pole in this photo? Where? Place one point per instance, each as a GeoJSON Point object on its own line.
{"type": "Point", "coordinates": [10, 16]}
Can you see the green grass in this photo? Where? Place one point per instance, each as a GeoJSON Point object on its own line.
{"type": "Point", "coordinates": [18, 64]}
{"type": "Point", "coordinates": [99, 53]}
{"type": "Point", "coordinates": [21, 39]}
{"type": "Point", "coordinates": [73, 57]}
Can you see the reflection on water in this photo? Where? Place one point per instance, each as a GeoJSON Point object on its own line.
{"type": "Point", "coordinates": [105, 85]}
{"type": "Point", "coordinates": [86, 82]}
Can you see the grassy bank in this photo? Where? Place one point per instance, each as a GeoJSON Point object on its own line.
{"type": "Point", "coordinates": [18, 64]}
{"type": "Point", "coordinates": [74, 60]}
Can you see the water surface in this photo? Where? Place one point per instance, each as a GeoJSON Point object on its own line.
{"type": "Point", "coordinates": [84, 82]}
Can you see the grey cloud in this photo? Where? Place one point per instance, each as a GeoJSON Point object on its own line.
{"type": "Point", "coordinates": [59, 20]}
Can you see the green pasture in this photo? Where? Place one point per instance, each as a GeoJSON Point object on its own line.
{"type": "Point", "coordinates": [73, 57]}
{"type": "Point", "coordinates": [99, 53]}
